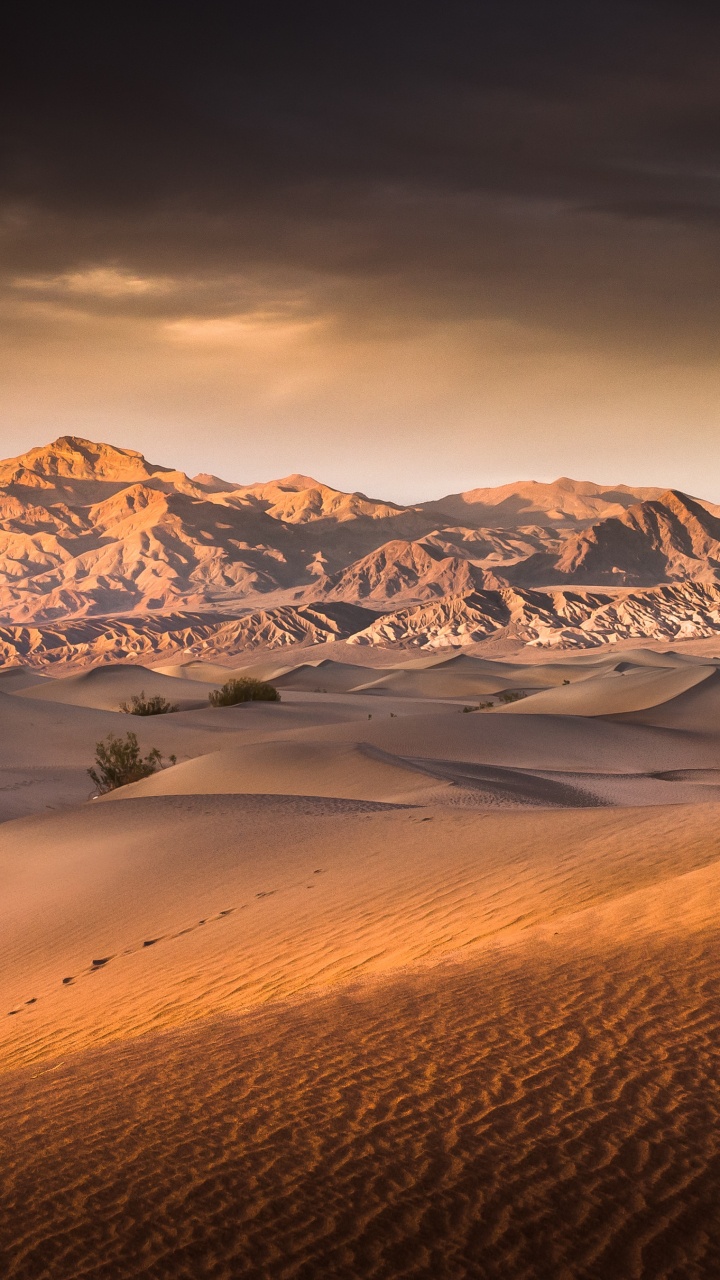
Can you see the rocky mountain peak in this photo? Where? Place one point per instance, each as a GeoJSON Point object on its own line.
{"type": "Point", "coordinates": [88, 529]}
{"type": "Point", "coordinates": [77, 458]}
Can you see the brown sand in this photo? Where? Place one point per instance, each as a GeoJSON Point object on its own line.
{"type": "Point", "coordinates": [371, 1029]}
{"type": "Point", "coordinates": [549, 1110]}
{"type": "Point", "coordinates": [48, 742]}
{"type": "Point", "coordinates": [614, 692]}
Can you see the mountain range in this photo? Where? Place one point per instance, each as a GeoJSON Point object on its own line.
{"type": "Point", "coordinates": [97, 541]}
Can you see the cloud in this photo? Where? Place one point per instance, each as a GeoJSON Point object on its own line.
{"type": "Point", "coordinates": [480, 227]}
{"type": "Point", "coordinates": [97, 282]}
{"type": "Point", "coordinates": [266, 328]}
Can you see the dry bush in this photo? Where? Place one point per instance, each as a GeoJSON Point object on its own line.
{"type": "Point", "coordinates": [119, 762]}
{"type": "Point", "coordinates": [245, 690]}
{"type": "Point", "coordinates": [139, 705]}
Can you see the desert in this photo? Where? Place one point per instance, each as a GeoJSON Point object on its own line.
{"type": "Point", "coordinates": [410, 972]}
{"type": "Point", "coordinates": [360, 641]}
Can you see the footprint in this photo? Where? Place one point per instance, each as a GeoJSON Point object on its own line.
{"type": "Point", "coordinates": [319, 872]}
{"type": "Point", "coordinates": [267, 893]}
{"type": "Point", "coordinates": [150, 942]}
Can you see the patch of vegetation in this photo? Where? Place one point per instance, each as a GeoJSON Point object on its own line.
{"type": "Point", "coordinates": [244, 690]}
{"type": "Point", "coordinates": [512, 695]}
{"type": "Point", "coordinates": [119, 762]}
{"type": "Point", "coordinates": [139, 705]}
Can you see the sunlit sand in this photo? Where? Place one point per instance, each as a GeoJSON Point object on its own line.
{"type": "Point", "coordinates": [366, 984]}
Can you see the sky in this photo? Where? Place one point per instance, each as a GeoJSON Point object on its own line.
{"type": "Point", "coordinates": [406, 249]}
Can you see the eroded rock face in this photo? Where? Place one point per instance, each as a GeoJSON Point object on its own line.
{"type": "Point", "coordinates": [85, 641]}
{"type": "Point", "coordinates": [91, 531]}
{"type": "Point", "coordinates": [555, 618]}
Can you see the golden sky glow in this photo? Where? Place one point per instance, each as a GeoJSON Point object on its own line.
{"type": "Point", "coordinates": [414, 273]}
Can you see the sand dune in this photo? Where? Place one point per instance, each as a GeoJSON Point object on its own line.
{"type": "Point", "coordinates": [114, 877]}
{"type": "Point", "coordinates": [312, 1057]}
{"type": "Point", "coordinates": [459, 677]}
{"type": "Point", "coordinates": [323, 677]}
{"type": "Point", "coordinates": [354, 745]}
{"type": "Point", "coordinates": [546, 674]}
{"type": "Point", "coordinates": [543, 742]}
{"type": "Point", "coordinates": [365, 986]}
{"type": "Point", "coordinates": [106, 687]}
{"type": "Point", "coordinates": [465, 676]}
{"type": "Point", "coordinates": [476, 760]}
{"type": "Point", "coordinates": [12, 679]}
{"type": "Point", "coordinates": [613, 692]}
{"type": "Point", "coordinates": [205, 672]}
{"type": "Point", "coordinates": [696, 710]}
{"type": "Point", "coordinates": [48, 744]}
{"type": "Point", "coordinates": [433, 683]}
{"type": "Point", "coordinates": [294, 766]}
{"type": "Point", "coordinates": [548, 1113]}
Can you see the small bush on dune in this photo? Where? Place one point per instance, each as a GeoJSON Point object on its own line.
{"type": "Point", "coordinates": [139, 705]}
{"type": "Point", "coordinates": [511, 695]}
{"type": "Point", "coordinates": [119, 762]}
{"type": "Point", "coordinates": [245, 690]}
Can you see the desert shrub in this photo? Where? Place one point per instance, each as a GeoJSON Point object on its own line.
{"type": "Point", "coordinates": [511, 695]}
{"type": "Point", "coordinates": [139, 705]}
{"type": "Point", "coordinates": [118, 762]}
{"type": "Point", "coordinates": [244, 690]}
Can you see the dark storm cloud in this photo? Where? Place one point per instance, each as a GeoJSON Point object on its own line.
{"type": "Point", "coordinates": [390, 162]}
{"type": "Point", "coordinates": [214, 104]}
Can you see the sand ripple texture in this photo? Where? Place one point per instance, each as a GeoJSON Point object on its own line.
{"type": "Point", "coordinates": [543, 1112]}
{"type": "Point", "coordinates": [126, 918]}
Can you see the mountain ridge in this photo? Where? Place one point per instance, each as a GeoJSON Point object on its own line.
{"type": "Point", "coordinates": [91, 530]}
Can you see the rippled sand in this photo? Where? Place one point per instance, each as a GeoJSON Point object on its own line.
{"type": "Point", "coordinates": [387, 1031]}
{"type": "Point", "coordinates": [546, 1112]}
